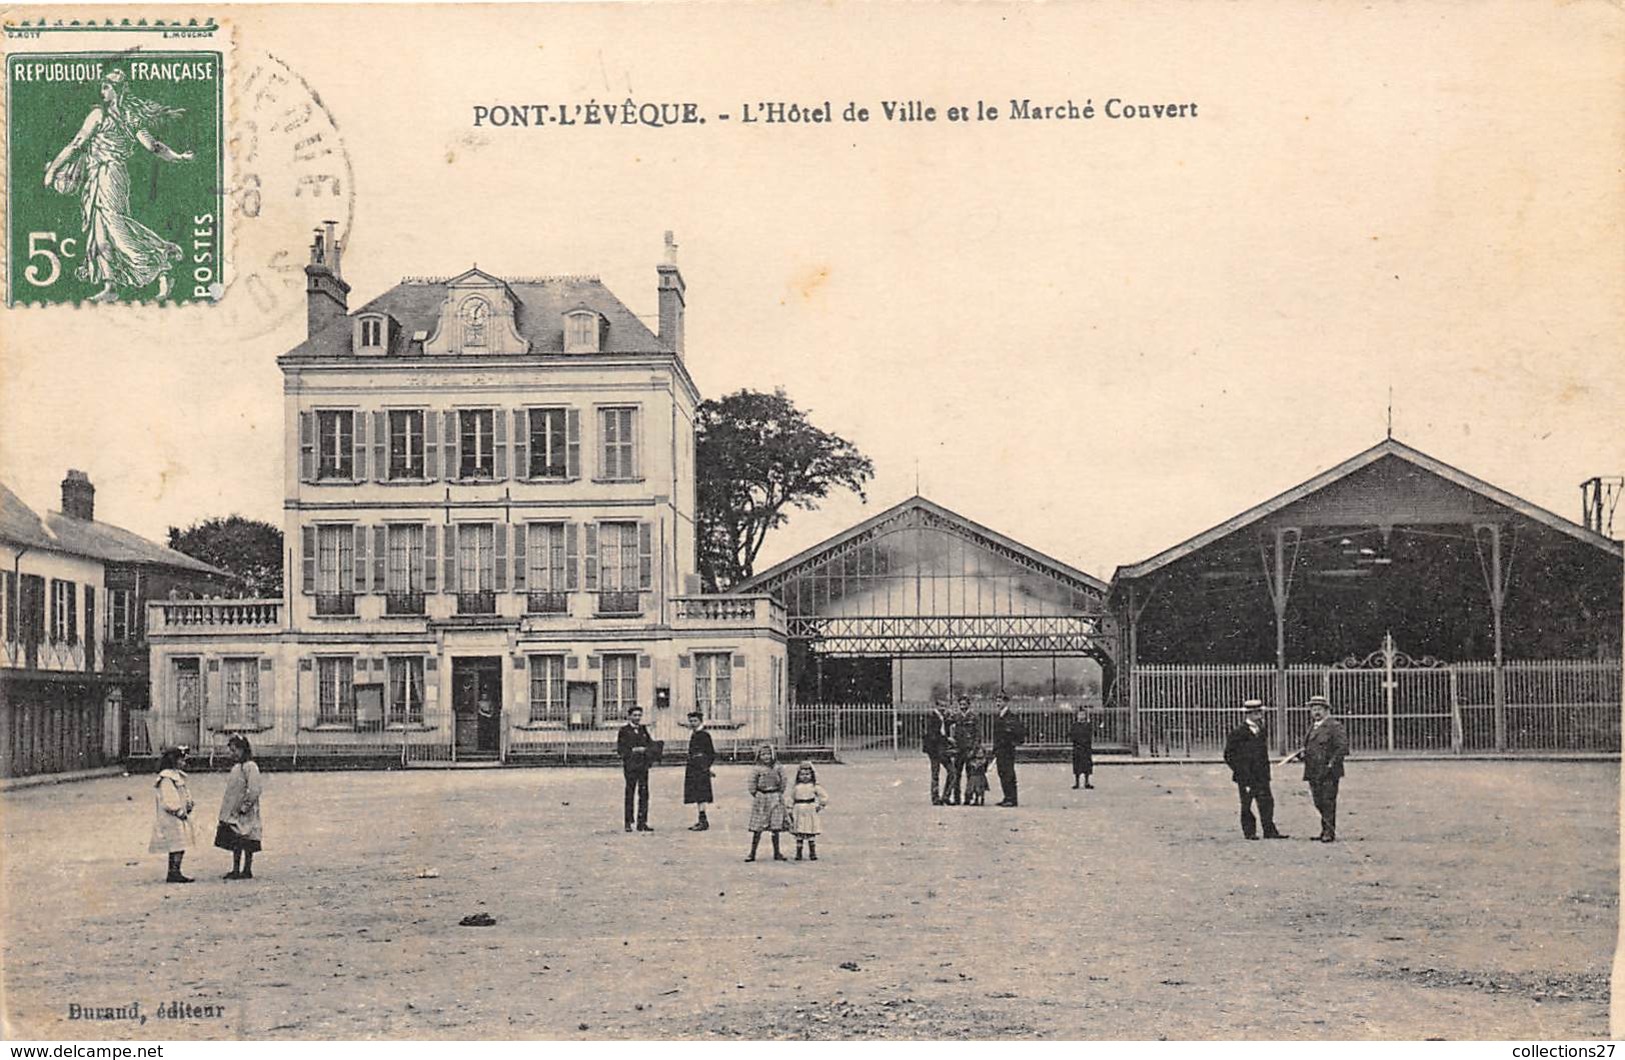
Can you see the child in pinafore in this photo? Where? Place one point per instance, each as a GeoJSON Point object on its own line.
{"type": "Point", "coordinates": [976, 778]}
{"type": "Point", "coordinates": [807, 802]}
{"type": "Point", "coordinates": [240, 830]}
{"type": "Point", "coordinates": [172, 830]}
{"type": "Point", "coordinates": [766, 802]}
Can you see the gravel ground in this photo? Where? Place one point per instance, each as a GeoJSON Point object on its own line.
{"type": "Point", "coordinates": [1467, 900]}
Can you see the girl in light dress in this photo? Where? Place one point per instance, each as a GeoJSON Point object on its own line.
{"type": "Point", "coordinates": [240, 829]}
{"type": "Point", "coordinates": [172, 830]}
{"type": "Point", "coordinates": [807, 802]}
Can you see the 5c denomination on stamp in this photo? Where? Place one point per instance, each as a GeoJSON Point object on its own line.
{"type": "Point", "coordinates": [115, 176]}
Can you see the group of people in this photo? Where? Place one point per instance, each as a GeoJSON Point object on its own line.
{"type": "Point", "coordinates": [775, 807]}
{"type": "Point", "coordinates": [1246, 752]}
{"type": "Point", "coordinates": [238, 829]}
{"type": "Point", "coordinates": [953, 742]}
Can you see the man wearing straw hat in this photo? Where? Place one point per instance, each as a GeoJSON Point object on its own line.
{"type": "Point", "coordinates": [1247, 753]}
{"type": "Point", "coordinates": [1323, 752]}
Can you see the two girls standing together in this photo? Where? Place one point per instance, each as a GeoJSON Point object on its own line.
{"type": "Point", "coordinates": [775, 809]}
{"type": "Point", "coordinates": [239, 829]}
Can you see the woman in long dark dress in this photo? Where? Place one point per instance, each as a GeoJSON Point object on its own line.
{"type": "Point", "coordinates": [702, 753]}
{"type": "Point", "coordinates": [1083, 747]}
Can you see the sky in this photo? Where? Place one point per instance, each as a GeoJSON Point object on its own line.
{"type": "Point", "coordinates": [1098, 337]}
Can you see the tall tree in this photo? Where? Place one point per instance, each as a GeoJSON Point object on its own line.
{"type": "Point", "coordinates": [757, 455]}
{"type": "Point", "coordinates": [248, 549]}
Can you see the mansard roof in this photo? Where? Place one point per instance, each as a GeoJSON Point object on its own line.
{"type": "Point", "coordinates": [540, 304]}
{"type": "Point", "coordinates": [87, 538]}
{"type": "Point", "coordinates": [1054, 568]}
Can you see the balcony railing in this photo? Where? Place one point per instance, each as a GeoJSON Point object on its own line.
{"type": "Point", "coordinates": [620, 602]}
{"type": "Point", "coordinates": [547, 603]}
{"type": "Point", "coordinates": [404, 604]}
{"type": "Point", "coordinates": [200, 616]}
{"type": "Point", "coordinates": [479, 602]}
{"type": "Point", "coordinates": [335, 604]}
{"type": "Point", "coordinates": [43, 655]}
{"type": "Point", "coordinates": [706, 611]}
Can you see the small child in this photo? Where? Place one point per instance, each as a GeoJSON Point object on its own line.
{"type": "Point", "coordinates": [766, 801]}
{"type": "Point", "coordinates": [172, 830]}
{"type": "Point", "coordinates": [807, 801]}
{"type": "Point", "coordinates": [976, 778]}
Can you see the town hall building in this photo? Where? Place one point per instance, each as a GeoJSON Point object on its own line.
{"type": "Point", "coordinates": [489, 490]}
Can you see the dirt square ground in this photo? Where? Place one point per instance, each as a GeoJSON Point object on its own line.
{"type": "Point", "coordinates": [1466, 900]}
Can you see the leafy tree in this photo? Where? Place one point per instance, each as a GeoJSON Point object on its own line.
{"type": "Point", "coordinates": [248, 549]}
{"type": "Point", "coordinates": [757, 455]}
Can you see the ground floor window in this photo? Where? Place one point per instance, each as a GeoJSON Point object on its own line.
{"type": "Point", "coordinates": [713, 684]}
{"type": "Point", "coordinates": [335, 695]}
{"type": "Point", "coordinates": [620, 685]}
{"type": "Point", "coordinates": [242, 683]}
{"type": "Point", "coordinates": [547, 688]}
{"type": "Point", "coordinates": [406, 690]}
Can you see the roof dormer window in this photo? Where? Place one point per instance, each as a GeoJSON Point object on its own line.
{"type": "Point", "coordinates": [581, 331]}
{"type": "Point", "coordinates": [370, 335]}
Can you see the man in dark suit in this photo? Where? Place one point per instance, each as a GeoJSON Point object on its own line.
{"type": "Point", "coordinates": [1323, 752]}
{"type": "Point", "coordinates": [637, 750]}
{"type": "Point", "coordinates": [936, 747]}
{"type": "Point", "coordinates": [1008, 733]}
{"type": "Point", "coordinates": [1247, 753]}
{"type": "Point", "coordinates": [702, 753]}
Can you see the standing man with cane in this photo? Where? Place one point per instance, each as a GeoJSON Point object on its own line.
{"type": "Point", "coordinates": [1323, 752]}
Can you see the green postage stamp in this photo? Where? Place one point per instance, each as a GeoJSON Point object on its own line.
{"type": "Point", "coordinates": [114, 173]}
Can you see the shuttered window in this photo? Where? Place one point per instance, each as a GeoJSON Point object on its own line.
{"type": "Point", "coordinates": [713, 684]}
{"type": "Point", "coordinates": [406, 445]}
{"type": "Point", "coordinates": [545, 543]}
{"type": "Point", "coordinates": [335, 691]}
{"type": "Point", "coordinates": [476, 558]}
{"type": "Point", "coordinates": [405, 569]}
{"type": "Point", "coordinates": [547, 688]}
{"type": "Point", "coordinates": [476, 443]}
{"type": "Point", "coordinates": [620, 685]}
{"type": "Point", "coordinates": [335, 559]}
{"type": "Point", "coordinates": [548, 444]}
{"type": "Point", "coordinates": [406, 690]}
{"type": "Point", "coordinates": [335, 444]}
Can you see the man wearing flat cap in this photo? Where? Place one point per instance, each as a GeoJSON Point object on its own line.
{"type": "Point", "coordinates": [1323, 752]}
{"type": "Point", "coordinates": [1247, 753]}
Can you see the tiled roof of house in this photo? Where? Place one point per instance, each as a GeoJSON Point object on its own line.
{"type": "Point", "coordinates": [55, 532]}
{"type": "Point", "coordinates": [539, 307]}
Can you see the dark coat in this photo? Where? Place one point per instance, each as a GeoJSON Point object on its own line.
{"type": "Point", "coordinates": [1248, 755]}
{"type": "Point", "coordinates": [1083, 746]}
{"type": "Point", "coordinates": [636, 748]}
{"type": "Point", "coordinates": [697, 772]}
{"type": "Point", "coordinates": [936, 739]}
{"type": "Point", "coordinates": [967, 731]}
{"type": "Point", "coordinates": [1008, 732]}
{"type": "Point", "coordinates": [1323, 751]}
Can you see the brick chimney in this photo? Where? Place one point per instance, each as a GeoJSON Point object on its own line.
{"type": "Point", "coordinates": [327, 296]}
{"type": "Point", "coordinates": [671, 299]}
{"type": "Point", "coordinates": [78, 496]}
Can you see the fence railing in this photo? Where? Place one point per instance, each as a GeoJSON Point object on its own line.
{"type": "Point", "coordinates": [1557, 705]}
{"type": "Point", "coordinates": [212, 616]}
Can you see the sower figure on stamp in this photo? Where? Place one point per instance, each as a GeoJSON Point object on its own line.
{"type": "Point", "coordinates": [702, 754]}
{"type": "Point", "coordinates": [937, 747]}
{"type": "Point", "coordinates": [119, 251]}
{"type": "Point", "coordinates": [1008, 734]}
{"type": "Point", "coordinates": [636, 748]}
{"type": "Point", "coordinates": [1247, 753]}
{"type": "Point", "coordinates": [1323, 752]}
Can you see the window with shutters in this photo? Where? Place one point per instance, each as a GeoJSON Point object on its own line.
{"type": "Point", "coordinates": [619, 568]}
{"type": "Point", "coordinates": [406, 444]}
{"type": "Point", "coordinates": [548, 444]}
{"type": "Point", "coordinates": [476, 436]}
{"type": "Point", "coordinates": [335, 691]}
{"type": "Point", "coordinates": [64, 603]}
{"type": "Point", "coordinates": [713, 684]}
{"type": "Point", "coordinates": [242, 687]}
{"type": "Point", "coordinates": [335, 570]}
{"type": "Point", "coordinates": [547, 688]}
{"type": "Point", "coordinates": [121, 615]}
{"type": "Point", "coordinates": [547, 580]}
{"type": "Point", "coordinates": [617, 433]}
{"type": "Point", "coordinates": [405, 690]}
{"type": "Point", "coordinates": [335, 444]}
{"type": "Point", "coordinates": [476, 569]}
{"type": "Point", "coordinates": [403, 571]}
{"type": "Point", "coordinates": [620, 685]}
